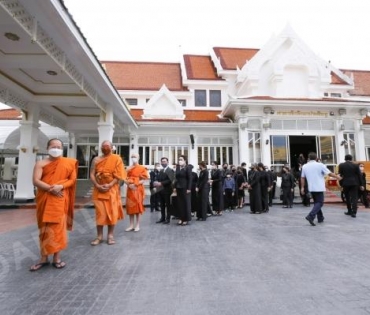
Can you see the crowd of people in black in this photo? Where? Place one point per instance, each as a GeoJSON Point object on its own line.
{"type": "Point", "coordinates": [184, 192]}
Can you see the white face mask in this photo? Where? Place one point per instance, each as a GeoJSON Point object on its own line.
{"type": "Point", "coordinates": [158, 168]}
{"type": "Point", "coordinates": [134, 160]}
{"type": "Point", "coordinates": [54, 152]}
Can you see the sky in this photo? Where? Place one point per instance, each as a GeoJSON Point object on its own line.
{"type": "Point", "coordinates": [164, 30]}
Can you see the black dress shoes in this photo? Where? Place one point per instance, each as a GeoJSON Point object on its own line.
{"type": "Point", "coordinates": [160, 221]}
{"type": "Point", "coordinates": [311, 221]}
{"type": "Point", "coordinates": [166, 222]}
{"type": "Point", "coordinates": [348, 213]}
{"type": "Point", "coordinates": [353, 215]}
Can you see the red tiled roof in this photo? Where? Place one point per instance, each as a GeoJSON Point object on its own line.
{"type": "Point", "coordinates": [10, 114]}
{"type": "Point", "coordinates": [231, 58]}
{"type": "Point", "coordinates": [324, 99]}
{"type": "Point", "coordinates": [366, 120]}
{"type": "Point", "coordinates": [335, 79]}
{"type": "Point", "coordinates": [200, 68]}
{"type": "Point", "coordinates": [362, 82]}
{"type": "Point", "coordinates": [144, 75]}
{"type": "Point", "coordinates": [190, 116]}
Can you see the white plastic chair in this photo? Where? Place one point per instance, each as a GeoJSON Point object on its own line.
{"type": "Point", "coordinates": [10, 190]}
{"type": "Point", "coordinates": [2, 190]}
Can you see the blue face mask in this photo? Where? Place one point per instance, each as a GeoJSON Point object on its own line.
{"type": "Point", "coordinates": [164, 165]}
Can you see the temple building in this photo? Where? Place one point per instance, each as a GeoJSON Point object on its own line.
{"type": "Point", "coordinates": [233, 105]}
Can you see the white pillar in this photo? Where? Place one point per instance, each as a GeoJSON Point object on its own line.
{"type": "Point", "coordinates": [134, 148]}
{"type": "Point", "coordinates": [106, 126]}
{"type": "Point", "coordinates": [29, 131]}
{"type": "Point", "coordinates": [360, 141]}
{"type": "Point", "coordinates": [72, 149]}
{"type": "Point", "coordinates": [243, 143]}
{"type": "Point", "coordinates": [265, 146]}
{"type": "Point", "coordinates": [339, 138]}
{"type": "Point", "coordinates": [193, 156]}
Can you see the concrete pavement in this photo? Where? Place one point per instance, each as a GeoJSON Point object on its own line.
{"type": "Point", "coordinates": [239, 263]}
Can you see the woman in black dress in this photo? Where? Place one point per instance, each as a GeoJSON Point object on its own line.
{"type": "Point", "coordinates": [217, 194]}
{"type": "Point", "coordinates": [182, 187]}
{"type": "Point", "coordinates": [203, 192]}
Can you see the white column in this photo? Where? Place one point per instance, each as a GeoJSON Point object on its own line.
{"type": "Point", "coordinates": [106, 126]}
{"type": "Point", "coordinates": [243, 143]}
{"type": "Point", "coordinates": [29, 131]}
{"type": "Point", "coordinates": [265, 147]}
{"type": "Point", "coordinates": [72, 150]}
{"type": "Point", "coordinates": [193, 156]}
{"type": "Point", "coordinates": [134, 148]}
{"type": "Point", "coordinates": [360, 141]}
{"type": "Point", "coordinates": [339, 138]}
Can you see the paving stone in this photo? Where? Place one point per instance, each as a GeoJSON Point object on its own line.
{"type": "Point", "coordinates": [239, 263]}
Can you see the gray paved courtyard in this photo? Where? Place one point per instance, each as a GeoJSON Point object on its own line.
{"type": "Point", "coordinates": [239, 263]}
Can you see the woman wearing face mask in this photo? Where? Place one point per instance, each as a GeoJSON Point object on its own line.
{"type": "Point", "coordinates": [136, 176]}
{"type": "Point", "coordinates": [216, 187]}
{"type": "Point", "coordinates": [202, 188]}
{"type": "Point", "coordinates": [182, 187]}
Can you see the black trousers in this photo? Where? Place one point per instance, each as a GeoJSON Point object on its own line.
{"type": "Point", "coordinates": [203, 203]}
{"type": "Point", "coordinates": [154, 202]}
{"type": "Point", "coordinates": [165, 201]}
{"type": "Point", "coordinates": [228, 199]}
{"type": "Point", "coordinates": [351, 194]}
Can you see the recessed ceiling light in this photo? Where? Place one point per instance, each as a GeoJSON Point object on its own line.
{"type": "Point", "coordinates": [51, 72]}
{"type": "Point", "coordinates": [12, 36]}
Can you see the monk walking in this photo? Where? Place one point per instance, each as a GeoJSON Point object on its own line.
{"type": "Point", "coordinates": [55, 179]}
{"type": "Point", "coordinates": [105, 173]}
{"type": "Point", "coordinates": [136, 176]}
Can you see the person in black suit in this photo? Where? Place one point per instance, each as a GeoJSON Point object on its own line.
{"type": "Point", "coordinates": [351, 180]}
{"type": "Point", "coordinates": [164, 188]}
{"type": "Point", "coordinates": [154, 197]}
{"type": "Point", "coordinates": [363, 192]}
{"type": "Point", "coordinates": [194, 180]}
{"type": "Point", "coordinates": [182, 188]}
{"type": "Point", "coordinates": [265, 183]}
{"type": "Point", "coordinates": [202, 189]}
{"type": "Point", "coordinates": [217, 193]}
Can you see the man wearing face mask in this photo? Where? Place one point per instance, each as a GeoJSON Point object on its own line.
{"type": "Point", "coordinates": [55, 179]}
{"type": "Point", "coordinates": [164, 184]}
{"type": "Point", "coordinates": [136, 176]}
{"type": "Point", "coordinates": [105, 173]}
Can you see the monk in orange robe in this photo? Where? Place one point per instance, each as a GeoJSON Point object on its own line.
{"type": "Point", "coordinates": [106, 172]}
{"type": "Point", "coordinates": [136, 176]}
{"type": "Point", "coordinates": [55, 179]}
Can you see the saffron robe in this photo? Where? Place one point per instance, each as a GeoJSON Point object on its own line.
{"type": "Point", "coordinates": [108, 205]}
{"type": "Point", "coordinates": [135, 197]}
{"type": "Point", "coordinates": [55, 214]}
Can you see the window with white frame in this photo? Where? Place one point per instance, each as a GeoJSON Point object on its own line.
{"type": "Point", "coordinates": [350, 144]}
{"type": "Point", "coordinates": [220, 154]}
{"type": "Point", "coordinates": [204, 98]}
{"type": "Point", "coordinates": [183, 103]}
{"type": "Point", "coordinates": [200, 98]}
{"type": "Point", "coordinates": [151, 154]}
{"type": "Point", "coordinates": [215, 98]}
{"type": "Point", "coordinates": [131, 101]}
{"type": "Point", "coordinates": [254, 146]}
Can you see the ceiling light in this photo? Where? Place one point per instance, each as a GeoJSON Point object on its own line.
{"type": "Point", "coordinates": [12, 36]}
{"type": "Point", "coordinates": [51, 72]}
